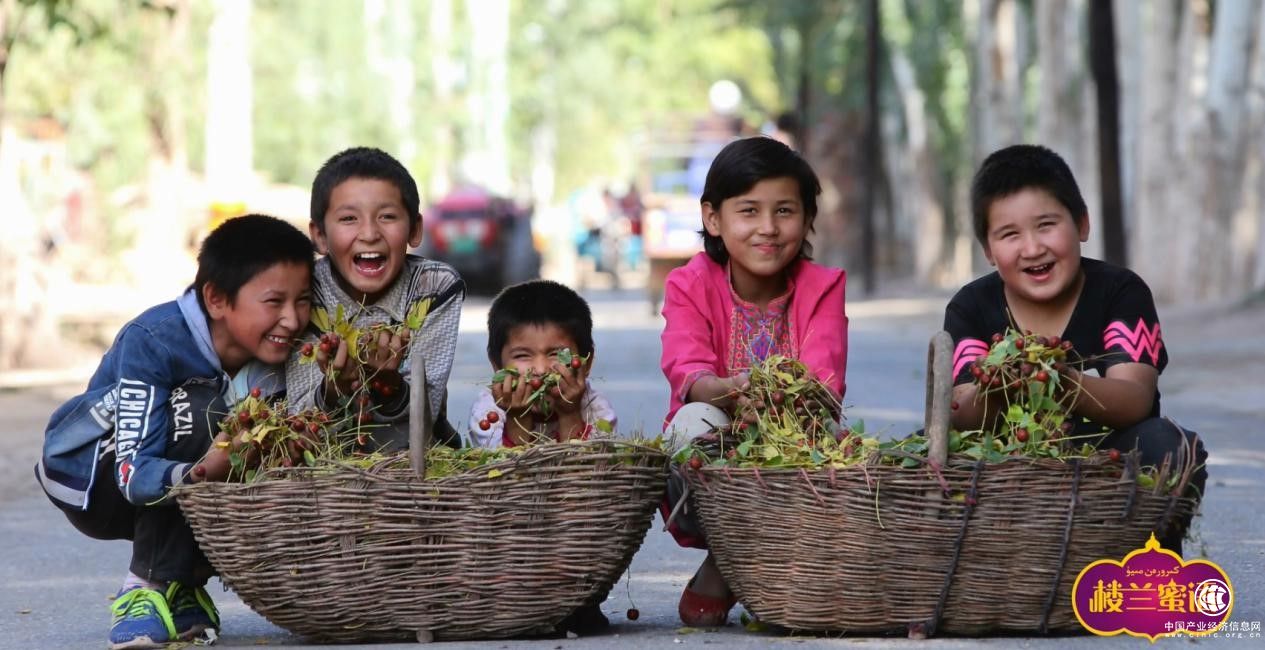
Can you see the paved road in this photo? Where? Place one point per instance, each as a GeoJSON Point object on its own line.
{"type": "Point", "coordinates": [55, 585]}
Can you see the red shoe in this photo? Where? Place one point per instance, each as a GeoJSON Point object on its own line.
{"type": "Point", "coordinates": [697, 610]}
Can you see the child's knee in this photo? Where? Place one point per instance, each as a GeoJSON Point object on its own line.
{"type": "Point", "coordinates": [1157, 438]}
{"type": "Point", "coordinates": [693, 420]}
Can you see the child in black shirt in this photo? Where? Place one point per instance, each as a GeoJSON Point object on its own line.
{"type": "Point", "coordinates": [1030, 218]}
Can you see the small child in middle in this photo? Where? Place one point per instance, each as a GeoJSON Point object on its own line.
{"type": "Point", "coordinates": [529, 324]}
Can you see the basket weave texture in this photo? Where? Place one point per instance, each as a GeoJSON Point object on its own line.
{"type": "Point", "coordinates": [349, 555]}
{"type": "Point", "coordinates": [880, 549]}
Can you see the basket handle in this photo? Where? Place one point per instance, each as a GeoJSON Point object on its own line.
{"type": "Point", "coordinates": [939, 396]}
{"type": "Point", "coordinates": [419, 422]}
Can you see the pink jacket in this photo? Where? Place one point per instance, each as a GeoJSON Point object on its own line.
{"type": "Point", "coordinates": [697, 306]}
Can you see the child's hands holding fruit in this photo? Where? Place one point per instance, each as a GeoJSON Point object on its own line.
{"type": "Point", "coordinates": [333, 357]}
{"type": "Point", "coordinates": [513, 392]}
{"type": "Point", "coordinates": [567, 396]}
{"type": "Point", "coordinates": [722, 392]}
{"type": "Point", "coordinates": [384, 350]}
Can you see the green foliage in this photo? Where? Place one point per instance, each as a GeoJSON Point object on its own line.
{"type": "Point", "coordinates": [604, 71]}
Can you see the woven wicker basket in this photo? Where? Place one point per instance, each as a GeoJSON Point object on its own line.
{"type": "Point", "coordinates": [356, 556]}
{"type": "Point", "coordinates": [872, 549]}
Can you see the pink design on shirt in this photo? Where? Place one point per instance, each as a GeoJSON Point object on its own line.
{"type": "Point", "coordinates": [967, 351]}
{"type": "Point", "coordinates": [1135, 342]}
{"type": "Point", "coordinates": [756, 334]}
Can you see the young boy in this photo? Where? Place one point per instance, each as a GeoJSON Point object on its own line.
{"type": "Point", "coordinates": [365, 216]}
{"type": "Point", "coordinates": [1030, 218]}
{"type": "Point", "coordinates": [150, 411]}
{"type": "Point", "coordinates": [528, 325]}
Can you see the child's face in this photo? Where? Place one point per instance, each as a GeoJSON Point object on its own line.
{"type": "Point", "coordinates": [366, 236]}
{"type": "Point", "coordinates": [763, 229]}
{"type": "Point", "coordinates": [534, 347]}
{"type": "Point", "coordinates": [262, 322]}
{"type": "Point", "coordinates": [1035, 244]}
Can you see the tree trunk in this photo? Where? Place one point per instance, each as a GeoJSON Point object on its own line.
{"type": "Point", "coordinates": [919, 164]}
{"type": "Point", "coordinates": [1064, 99]}
{"type": "Point", "coordinates": [1102, 48]}
{"type": "Point", "coordinates": [439, 43]}
{"type": "Point", "coordinates": [1228, 74]}
{"type": "Point", "coordinates": [1128, 21]}
{"type": "Point", "coordinates": [1254, 220]}
{"type": "Point", "coordinates": [998, 101]}
{"type": "Point", "coordinates": [873, 159]}
{"type": "Point", "coordinates": [1188, 198]}
{"type": "Point", "coordinates": [1155, 152]}
{"type": "Point", "coordinates": [804, 97]}
{"type": "Point", "coordinates": [229, 148]}
{"type": "Point", "coordinates": [389, 53]}
{"type": "Point", "coordinates": [487, 160]}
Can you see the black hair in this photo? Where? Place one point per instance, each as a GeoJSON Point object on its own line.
{"type": "Point", "coordinates": [1020, 167]}
{"type": "Point", "coordinates": [363, 162]}
{"type": "Point", "coordinates": [243, 247]}
{"type": "Point", "coordinates": [742, 164]}
{"type": "Point", "coordinates": [538, 302]}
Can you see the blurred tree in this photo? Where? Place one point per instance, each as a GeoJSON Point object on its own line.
{"type": "Point", "coordinates": [1102, 48]}
{"type": "Point", "coordinates": [599, 74]}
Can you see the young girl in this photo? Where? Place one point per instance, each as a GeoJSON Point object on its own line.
{"type": "Point", "coordinates": [752, 294]}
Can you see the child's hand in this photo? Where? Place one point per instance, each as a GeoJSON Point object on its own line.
{"type": "Point", "coordinates": [384, 357]}
{"type": "Point", "coordinates": [568, 396]}
{"type": "Point", "coordinates": [735, 396]}
{"type": "Point", "coordinates": [216, 465]}
{"type": "Point", "coordinates": [723, 393]}
{"type": "Point", "coordinates": [512, 398]}
{"type": "Point", "coordinates": [337, 367]}
{"type": "Point", "coordinates": [567, 399]}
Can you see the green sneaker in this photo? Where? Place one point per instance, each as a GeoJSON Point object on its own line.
{"type": "Point", "coordinates": [193, 613]}
{"type": "Point", "coordinates": [141, 619]}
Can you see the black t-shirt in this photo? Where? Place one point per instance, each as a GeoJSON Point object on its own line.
{"type": "Point", "coordinates": [1114, 321]}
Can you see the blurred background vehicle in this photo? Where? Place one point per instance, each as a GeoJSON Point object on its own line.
{"type": "Point", "coordinates": [487, 238]}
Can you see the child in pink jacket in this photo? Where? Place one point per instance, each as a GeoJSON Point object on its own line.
{"type": "Point", "coordinates": [754, 293]}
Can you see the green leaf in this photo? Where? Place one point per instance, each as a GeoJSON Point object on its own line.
{"type": "Point", "coordinates": [417, 315]}
{"type": "Point", "coordinates": [494, 473]}
{"type": "Point", "coordinates": [320, 318]}
{"type": "Point", "coordinates": [604, 425]}
{"type": "Point", "coordinates": [744, 448]}
{"type": "Point", "coordinates": [564, 356]}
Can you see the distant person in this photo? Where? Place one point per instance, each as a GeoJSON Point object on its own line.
{"type": "Point", "coordinates": [151, 411]}
{"type": "Point", "coordinates": [528, 325]}
{"type": "Point", "coordinates": [1031, 219]}
{"type": "Point", "coordinates": [753, 293]}
{"type": "Point", "coordinates": [365, 216]}
{"type": "Point", "coordinates": [785, 129]}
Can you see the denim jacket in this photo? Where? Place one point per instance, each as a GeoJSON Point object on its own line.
{"type": "Point", "coordinates": [125, 406]}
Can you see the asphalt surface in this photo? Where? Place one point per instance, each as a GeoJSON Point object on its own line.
{"type": "Point", "coordinates": [56, 585]}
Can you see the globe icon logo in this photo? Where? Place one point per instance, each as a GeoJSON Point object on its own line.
{"type": "Point", "coordinates": [1212, 597]}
